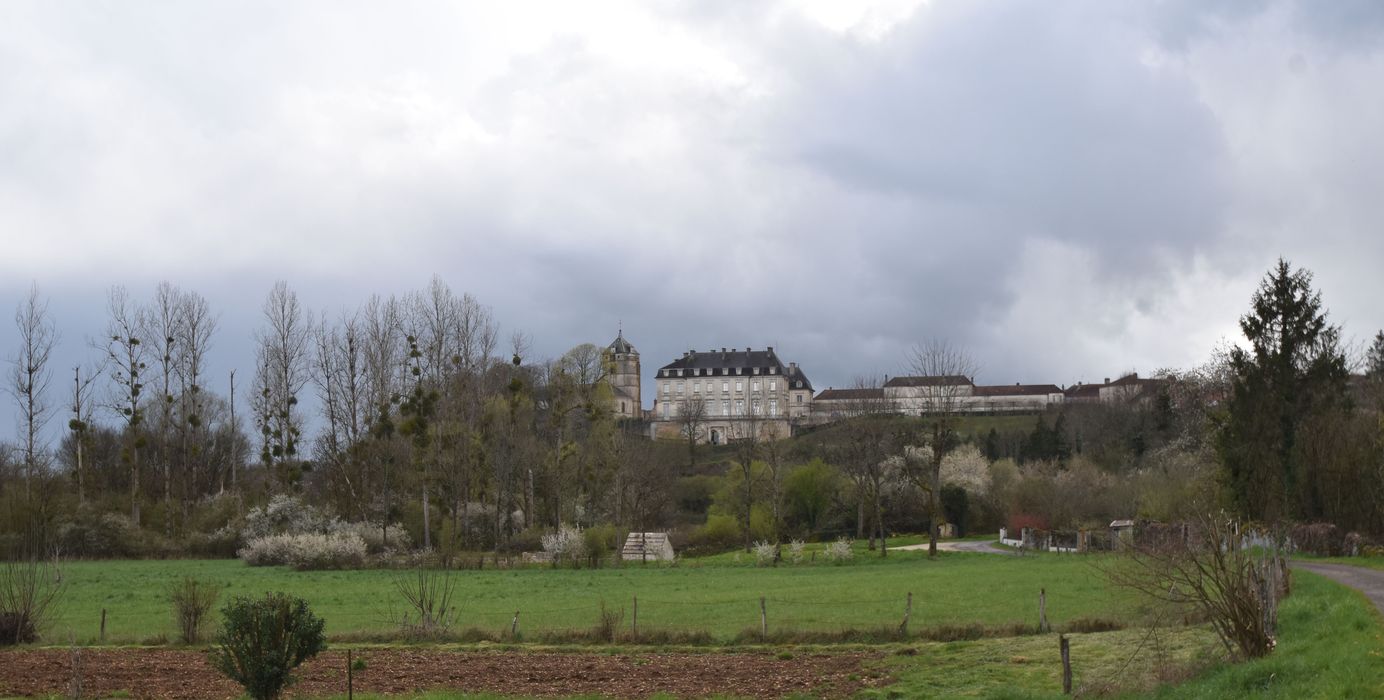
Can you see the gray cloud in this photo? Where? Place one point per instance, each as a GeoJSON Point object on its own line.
{"type": "Point", "coordinates": [1070, 189]}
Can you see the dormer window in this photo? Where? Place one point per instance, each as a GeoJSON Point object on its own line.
{"type": "Point", "coordinates": [756, 370]}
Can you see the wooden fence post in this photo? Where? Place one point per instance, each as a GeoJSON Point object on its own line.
{"type": "Point", "coordinates": [763, 619]}
{"type": "Point", "coordinates": [1043, 611]}
{"type": "Point", "coordinates": [907, 613]}
{"type": "Point", "coordinates": [103, 624]}
{"type": "Point", "coordinates": [514, 626]}
{"type": "Point", "coordinates": [1065, 645]}
{"type": "Point", "coordinates": [634, 624]}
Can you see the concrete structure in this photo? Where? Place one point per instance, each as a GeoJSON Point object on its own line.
{"type": "Point", "coordinates": [1127, 388]}
{"type": "Point", "coordinates": [917, 396]}
{"type": "Point", "coordinates": [730, 395]}
{"type": "Point", "coordinates": [647, 546]}
{"type": "Point", "coordinates": [622, 372]}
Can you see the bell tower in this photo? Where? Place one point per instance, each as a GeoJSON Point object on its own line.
{"type": "Point", "coordinates": [622, 371]}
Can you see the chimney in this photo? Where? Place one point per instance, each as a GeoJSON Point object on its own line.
{"type": "Point", "coordinates": [1107, 380]}
{"type": "Point", "coordinates": [793, 365]}
{"type": "Point", "coordinates": [1016, 384]}
{"type": "Point", "coordinates": [771, 348]}
{"type": "Point", "coordinates": [723, 349]}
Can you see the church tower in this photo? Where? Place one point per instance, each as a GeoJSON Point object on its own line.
{"type": "Point", "coordinates": [622, 369]}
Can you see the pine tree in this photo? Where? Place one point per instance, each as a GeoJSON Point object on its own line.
{"type": "Point", "coordinates": [1293, 369]}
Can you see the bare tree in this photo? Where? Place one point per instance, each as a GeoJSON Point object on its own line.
{"type": "Point", "coordinates": [126, 354]}
{"type": "Point", "coordinates": [943, 377]}
{"type": "Point", "coordinates": [30, 378]}
{"type": "Point", "coordinates": [747, 432]}
{"type": "Point", "coordinates": [282, 374]}
{"type": "Point", "coordinates": [195, 333]}
{"type": "Point", "coordinates": [80, 422]}
{"type": "Point", "coordinates": [692, 416]}
{"type": "Point", "coordinates": [166, 327]}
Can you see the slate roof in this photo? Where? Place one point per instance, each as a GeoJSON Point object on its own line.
{"type": "Point", "coordinates": [723, 363]}
{"type": "Point", "coordinates": [1017, 390]}
{"type": "Point", "coordinates": [944, 380]}
{"type": "Point", "coordinates": [850, 395]}
{"type": "Point", "coordinates": [620, 346]}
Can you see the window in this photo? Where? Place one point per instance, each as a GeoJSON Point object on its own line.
{"type": "Point", "coordinates": [679, 388]}
{"type": "Point", "coordinates": [754, 406]}
{"type": "Point", "coordinates": [754, 385]}
{"type": "Point", "coordinates": [739, 407]}
{"type": "Point", "coordinates": [800, 398]}
{"type": "Point", "coordinates": [725, 386]}
{"type": "Point", "coordinates": [756, 370]}
{"type": "Point", "coordinates": [696, 387]}
{"type": "Point", "coordinates": [725, 408]}
{"type": "Point", "coordinates": [773, 407]}
{"type": "Point", "coordinates": [739, 385]}
{"type": "Point", "coordinates": [665, 388]}
{"type": "Point", "coordinates": [773, 385]}
{"type": "Point", "coordinates": [665, 409]}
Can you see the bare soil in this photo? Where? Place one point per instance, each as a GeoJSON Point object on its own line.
{"type": "Point", "coordinates": [178, 673]}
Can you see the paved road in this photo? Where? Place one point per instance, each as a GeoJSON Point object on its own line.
{"type": "Point", "coordinates": [962, 546]}
{"type": "Point", "coordinates": [1367, 581]}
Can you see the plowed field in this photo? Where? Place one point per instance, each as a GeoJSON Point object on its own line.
{"type": "Point", "coordinates": [171, 673]}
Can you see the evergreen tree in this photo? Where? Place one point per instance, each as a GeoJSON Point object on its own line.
{"type": "Point", "coordinates": [1374, 358]}
{"type": "Point", "coordinates": [1292, 370]}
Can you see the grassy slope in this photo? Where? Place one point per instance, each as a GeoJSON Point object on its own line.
{"type": "Point", "coordinates": [1331, 646]}
{"type": "Point", "coordinates": [719, 596]}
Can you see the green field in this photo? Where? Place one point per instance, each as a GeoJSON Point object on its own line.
{"type": "Point", "coordinates": [1331, 639]}
{"type": "Point", "coordinates": [719, 595]}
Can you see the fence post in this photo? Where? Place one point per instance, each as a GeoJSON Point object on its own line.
{"type": "Point", "coordinates": [350, 677]}
{"type": "Point", "coordinates": [103, 624]}
{"type": "Point", "coordinates": [1065, 645]}
{"type": "Point", "coordinates": [1043, 611]}
{"type": "Point", "coordinates": [634, 624]}
{"type": "Point", "coordinates": [907, 613]}
{"type": "Point", "coordinates": [763, 619]}
{"type": "Point", "coordinates": [514, 626]}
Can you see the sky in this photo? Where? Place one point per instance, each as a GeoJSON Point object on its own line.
{"type": "Point", "coordinates": [1066, 190]}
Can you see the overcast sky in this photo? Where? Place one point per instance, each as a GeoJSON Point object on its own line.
{"type": "Point", "coordinates": [1069, 190]}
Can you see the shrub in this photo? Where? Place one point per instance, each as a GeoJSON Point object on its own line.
{"type": "Point", "coordinates": [600, 541]}
{"type": "Point", "coordinates": [610, 622]}
{"type": "Point", "coordinates": [764, 553]}
{"type": "Point", "coordinates": [840, 551]}
{"type": "Point", "coordinates": [428, 594]}
{"type": "Point", "coordinates": [795, 551]}
{"type": "Point", "coordinates": [263, 639]}
{"type": "Point", "coordinates": [306, 552]}
{"type": "Point", "coordinates": [1321, 539]}
{"type": "Point", "coordinates": [28, 589]}
{"type": "Point", "coordinates": [566, 544]}
{"type": "Point", "coordinates": [192, 600]}
{"type": "Point", "coordinates": [720, 532]}
{"type": "Point", "coordinates": [283, 515]}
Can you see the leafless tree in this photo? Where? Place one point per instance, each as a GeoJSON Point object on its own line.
{"type": "Point", "coordinates": [747, 431]}
{"type": "Point", "coordinates": [166, 327]}
{"type": "Point", "coordinates": [945, 373]}
{"type": "Point", "coordinates": [1212, 564]}
{"type": "Point", "coordinates": [282, 374]}
{"type": "Point", "coordinates": [692, 416]}
{"type": "Point", "coordinates": [195, 334]}
{"type": "Point", "coordinates": [30, 378]}
{"type": "Point", "coordinates": [127, 353]}
{"type": "Point", "coordinates": [82, 408]}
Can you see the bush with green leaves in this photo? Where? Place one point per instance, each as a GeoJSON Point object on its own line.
{"type": "Point", "coordinates": [263, 639]}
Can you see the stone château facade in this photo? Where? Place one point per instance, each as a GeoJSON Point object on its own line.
{"type": "Point", "coordinates": [724, 395]}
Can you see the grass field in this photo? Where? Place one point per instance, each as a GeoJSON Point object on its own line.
{"type": "Point", "coordinates": [1331, 639]}
{"type": "Point", "coordinates": [718, 595]}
